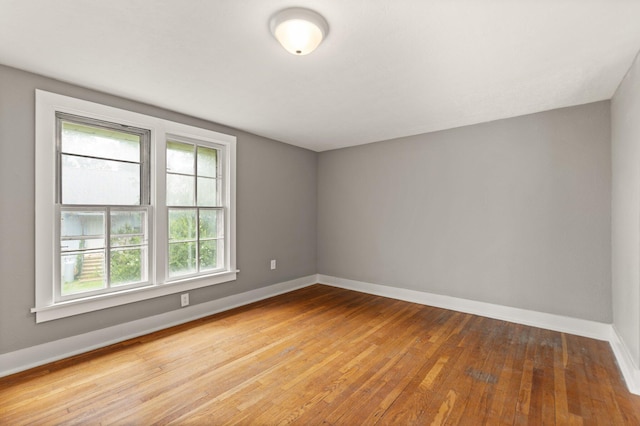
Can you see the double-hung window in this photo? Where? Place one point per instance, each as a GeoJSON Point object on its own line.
{"type": "Point", "coordinates": [128, 207]}
{"type": "Point", "coordinates": [196, 213]}
{"type": "Point", "coordinates": [102, 176]}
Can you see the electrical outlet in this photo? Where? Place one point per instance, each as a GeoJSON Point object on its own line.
{"type": "Point", "coordinates": [273, 264]}
{"type": "Point", "coordinates": [184, 299]}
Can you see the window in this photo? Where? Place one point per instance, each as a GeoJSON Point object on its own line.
{"type": "Point", "coordinates": [103, 193]}
{"type": "Point", "coordinates": [196, 214]}
{"type": "Point", "coordinates": [128, 207]}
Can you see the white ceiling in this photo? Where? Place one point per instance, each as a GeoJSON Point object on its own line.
{"type": "Point", "coordinates": [388, 68]}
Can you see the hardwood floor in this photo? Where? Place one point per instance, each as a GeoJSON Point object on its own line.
{"type": "Point", "coordinates": [323, 355]}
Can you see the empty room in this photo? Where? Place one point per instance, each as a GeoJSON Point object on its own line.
{"type": "Point", "coordinates": [320, 212]}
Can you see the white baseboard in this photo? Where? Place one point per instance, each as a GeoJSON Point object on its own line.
{"type": "Point", "coordinates": [34, 356]}
{"type": "Point", "coordinates": [628, 367]}
{"type": "Point", "coordinates": [592, 329]}
{"type": "Point", "coordinates": [580, 327]}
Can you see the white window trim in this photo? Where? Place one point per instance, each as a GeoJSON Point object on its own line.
{"type": "Point", "coordinates": [47, 104]}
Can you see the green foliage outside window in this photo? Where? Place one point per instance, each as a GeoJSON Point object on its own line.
{"type": "Point", "coordinates": [182, 249]}
{"type": "Point", "coordinates": [126, 265]}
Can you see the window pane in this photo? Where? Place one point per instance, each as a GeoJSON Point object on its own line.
{"type": "Point", "coordinates": [182, 224]}
{"type": "Point", "coordinates": [207, 161]}
{"type": "Point", "coordinates": [180, 190]}
{"type": "Point", "coordinates": [83, 139]}
{"type": "Point", "coordinates": [127, 266]}
{"type": "Point", "coordinates": [180, 158]}
{"type": "Point", "coordinates": [207, 192]}
{"type": "Point", "coordinates": [208, 255]}
{"type": "Point", "coordinates": [182, 259]}
{"type": "Point", "coordinates": [82, 272]}
{"type": "Point", "coordinates": [127, 222]}
{"type": "Point", "coordinates": [79, 223]}
{"type": "Point", "coordinates": [209, 223]}
{"type": "Point", "coordinates": [91, 181]}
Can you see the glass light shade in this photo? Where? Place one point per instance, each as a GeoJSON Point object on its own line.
{"type": "Point", "coordinates": [299, 30]}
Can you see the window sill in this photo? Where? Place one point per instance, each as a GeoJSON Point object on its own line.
{"type": "Point", "coordinates": [103, 301]}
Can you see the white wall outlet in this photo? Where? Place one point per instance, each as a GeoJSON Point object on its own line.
{"type": "Point", "coordinates": [184, 299]}
{"type": "Point", "coordinates": [273, 264]}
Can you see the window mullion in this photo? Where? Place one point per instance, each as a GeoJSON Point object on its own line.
{"type": "Point", "coordinates": [145, 170]}
{"type": "Point", "coordinates": [195, 195]}
{"type": "Point", "coordinates": [94, 157]}
{"type": "Point", "coordinates": [107, 245]}
{"type": "Point", "coordinates": [195, 174]}
{"type": "Point", "coordinates": [58, 194]}
{"type": "Point", "coordinates": [197, 238]}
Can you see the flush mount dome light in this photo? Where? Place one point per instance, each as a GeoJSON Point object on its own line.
{"type": "Point", "coordinates": [299, 30]}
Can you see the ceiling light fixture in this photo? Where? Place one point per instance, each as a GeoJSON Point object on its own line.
{"type": "Point", "coordinates": [299, 30]}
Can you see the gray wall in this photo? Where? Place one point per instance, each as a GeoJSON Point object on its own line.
{"type": "Point", "coordinates": [625, 207]}
{"type": "Point", "coordinates": [276, 215]}
{"type": "Point", "coordinates": [514, 212]}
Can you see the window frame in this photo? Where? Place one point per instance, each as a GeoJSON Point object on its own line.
{"type": "Point", "coordinates": [48, 209]}
{"type": "Point", "coordinates": [220, 188]}
{"type": "Point", "coordinates": [143, 205]}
